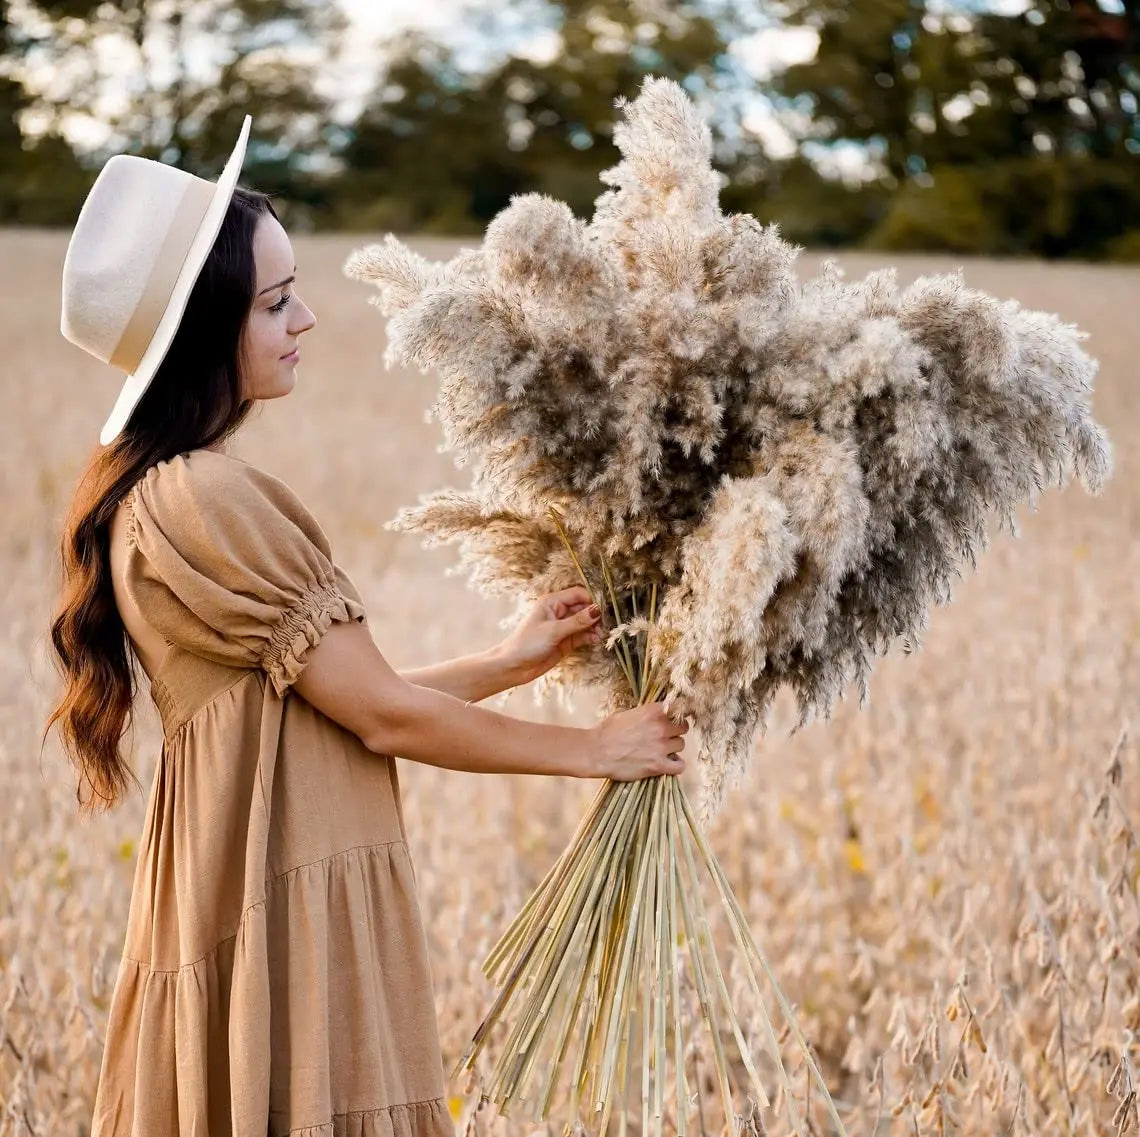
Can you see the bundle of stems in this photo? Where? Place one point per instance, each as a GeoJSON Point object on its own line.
{"type": "Point", "coordinates": [593, 950]}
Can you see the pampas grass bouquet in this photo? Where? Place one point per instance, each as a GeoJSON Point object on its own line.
{"type": "Point", "coordinates": [763, 482]}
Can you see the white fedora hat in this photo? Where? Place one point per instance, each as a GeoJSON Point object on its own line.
{"type": "Point", "coordinates": [141, 239]}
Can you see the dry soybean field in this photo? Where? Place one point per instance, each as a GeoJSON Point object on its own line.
{"type": "Point", "coordinates": [947, 881]}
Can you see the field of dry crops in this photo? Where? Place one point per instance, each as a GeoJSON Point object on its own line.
{"type": "Point", "coordinates": [947, 881]}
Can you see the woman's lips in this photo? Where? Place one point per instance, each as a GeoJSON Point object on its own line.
{"type": "Point", "coordinates": [293, 356]}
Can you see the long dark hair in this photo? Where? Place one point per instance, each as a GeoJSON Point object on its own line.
{"type": "Point", "coordinates": [194, 400]}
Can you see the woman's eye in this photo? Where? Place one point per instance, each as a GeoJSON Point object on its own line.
{"type": "Point", "coordinates": [280, 304]}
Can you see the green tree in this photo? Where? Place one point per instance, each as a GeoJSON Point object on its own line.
{"type": "Point", "coordinates": [995, 133]}
{"type": "Point", "coordinates": [171, 79]}
{"type": "Point", "coordinates": [440, 149]}
{"type": "Point", "coordinates": [41, 180]}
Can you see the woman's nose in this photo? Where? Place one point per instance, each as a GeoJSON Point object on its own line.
{"type": "Point", "coordinates": [308, 320]}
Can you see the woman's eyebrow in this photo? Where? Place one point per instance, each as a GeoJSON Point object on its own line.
{"type": "Point", "coordinates": [287, 280]}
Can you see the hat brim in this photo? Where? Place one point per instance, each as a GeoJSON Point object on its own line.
{"type": "Point", "coordinates": [138, 381]}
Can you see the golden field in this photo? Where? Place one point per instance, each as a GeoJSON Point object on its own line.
{"type": "Point", "coordinates": [947, 881]}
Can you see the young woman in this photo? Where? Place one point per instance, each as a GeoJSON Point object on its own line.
{"type": "Point", "coordinates": [274, 976]}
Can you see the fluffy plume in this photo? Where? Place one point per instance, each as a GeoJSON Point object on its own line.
{"type": "Point", "coordinates": [801, 469]}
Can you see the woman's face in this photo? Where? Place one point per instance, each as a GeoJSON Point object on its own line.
{"type": "Point", "coordinates": [278, 317]}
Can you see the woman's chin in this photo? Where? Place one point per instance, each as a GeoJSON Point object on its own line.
{"type": "Point", "coordinates": [281, 387]}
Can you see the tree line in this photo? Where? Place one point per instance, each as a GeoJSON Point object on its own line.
{"type": "Point", "coordinates": [980, 131]}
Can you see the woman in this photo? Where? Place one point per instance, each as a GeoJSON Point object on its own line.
{"type": "Point", "coordinates": [274, 975]}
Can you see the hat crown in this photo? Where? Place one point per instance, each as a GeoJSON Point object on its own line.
{"type": "Point", "coordinates": [131, 238]}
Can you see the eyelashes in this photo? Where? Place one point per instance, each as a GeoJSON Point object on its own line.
{"type": "Point", "coordinates": [280, 303]}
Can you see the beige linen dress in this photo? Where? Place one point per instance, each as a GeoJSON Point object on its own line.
{"type": "Point", "coordinates": [274, 976]}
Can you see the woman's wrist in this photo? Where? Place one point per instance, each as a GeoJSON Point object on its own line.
{"type": "Point", "coordinates": [573, 755]}
{"type": "Point", "coordinates": [505, 670]}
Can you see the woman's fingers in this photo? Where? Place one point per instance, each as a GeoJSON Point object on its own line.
{"type": "Point", "coordinates": [573, 598]}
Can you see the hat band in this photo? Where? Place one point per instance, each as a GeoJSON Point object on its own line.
{"type": "Point", "coordinates": [163, 276]}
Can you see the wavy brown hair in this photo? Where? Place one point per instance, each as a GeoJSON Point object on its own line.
{"type": "Point", "coordinates": [193, 401]}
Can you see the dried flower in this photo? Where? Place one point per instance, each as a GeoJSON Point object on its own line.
{"type": "Point", "coordinates": [804, 468]}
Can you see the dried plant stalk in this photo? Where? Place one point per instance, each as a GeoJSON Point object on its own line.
{"type": "Point", "coordinates": [594, 948]}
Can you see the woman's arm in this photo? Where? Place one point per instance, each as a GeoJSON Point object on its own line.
{"type": "Point", "coordinates": [558, 623]}
{"type": "Point", "coordinates": [469, 677]}
{"type": "Point", "coordinates": [347, 679]}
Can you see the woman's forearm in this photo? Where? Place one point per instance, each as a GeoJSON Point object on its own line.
{"type": "Point", "coordinates": [469, 677]}
{"type": "Point", "coordinates": [432, 727]}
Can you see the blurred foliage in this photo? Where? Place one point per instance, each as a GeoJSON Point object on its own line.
{"type": "Point", "coordinates": [174, 101]}
{"type": "Point", "coordinates": [1013, 134]}
{"type": "Point", "coordinates": [40, 181]}
{"type": "Point", "coordinates": [440, 151]}
{"type": "Point", "coordinates": [1004, 134]}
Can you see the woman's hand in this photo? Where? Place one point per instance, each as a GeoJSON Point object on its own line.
{"type": "Point", "coordinates": [642, 742]}
{"type": "Point", "coordinates": [557, 624]}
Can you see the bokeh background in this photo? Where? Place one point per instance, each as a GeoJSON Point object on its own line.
{"type": "Point", "coordinates": [947, 881]}
{"type": "Point", "coordinates": [1000, 127]}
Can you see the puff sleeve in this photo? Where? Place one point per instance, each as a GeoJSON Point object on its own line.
{"type": "Point", "coordinates": [225, 561]}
